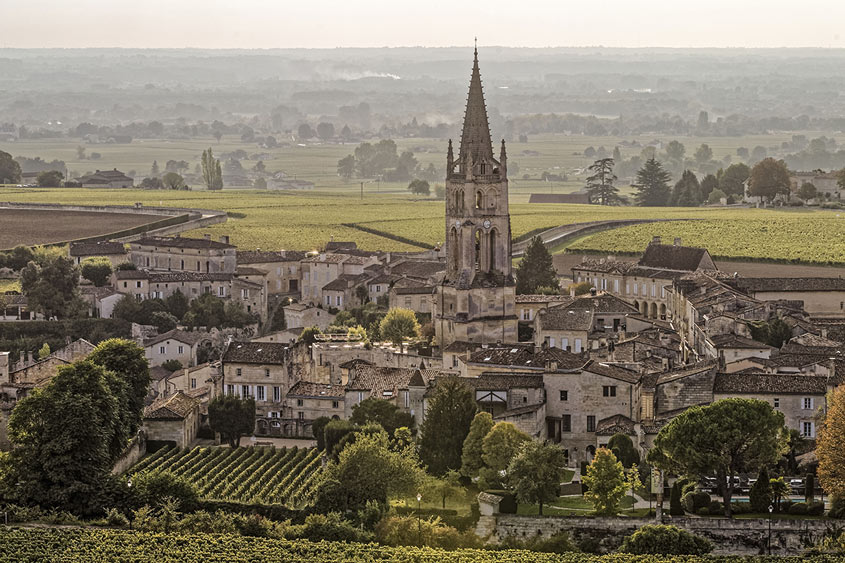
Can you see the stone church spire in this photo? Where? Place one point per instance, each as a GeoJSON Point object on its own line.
{"type": "Point", "coordinates": [475, 138]}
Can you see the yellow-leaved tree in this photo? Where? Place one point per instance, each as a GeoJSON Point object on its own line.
{"type": "Point", "coordinates": [830, 446]}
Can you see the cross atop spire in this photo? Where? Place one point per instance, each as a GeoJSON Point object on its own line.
{"type": "Point", "coordinates": [475, 138]}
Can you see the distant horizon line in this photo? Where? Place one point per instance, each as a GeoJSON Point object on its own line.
{"type": "Point", "coordinates": [468, 47]}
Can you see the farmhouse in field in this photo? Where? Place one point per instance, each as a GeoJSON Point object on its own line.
{"type": "Point", "coordinates": [106, 179]}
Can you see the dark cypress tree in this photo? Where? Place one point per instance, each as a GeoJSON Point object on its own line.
{"type": "Point", "coordinates": [536, 269]}
{"type": "Point", "coordinates": [760, 494]}
{"type": "Point", "coordinates": [652, 185]}
{"type": "Point", "coordinates": [687, 191]}
{"type": "Point", "coordinates": [447, 421]}
{"type": "Point", "coordinates": [675, 506]}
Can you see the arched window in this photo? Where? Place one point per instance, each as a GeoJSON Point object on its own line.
{"type": "Point", "coordinates": [492, 249]}
{"type": "Point", "coordinates": [454, 249]}
{"type": "Point", "coordinates": [477, 250]}
{"type": "Point", "coordinates": [459, 195]}
{"type": "Point", "coordinates": [479, 199]}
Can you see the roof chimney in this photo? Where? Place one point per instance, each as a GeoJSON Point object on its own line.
{"type": "Point", "coordinates": [677, 241]}
{"type": "Point", "coordinates": [655, 239]}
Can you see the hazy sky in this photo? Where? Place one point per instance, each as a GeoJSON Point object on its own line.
{"type": "Point", "coordinates": [376, 23]}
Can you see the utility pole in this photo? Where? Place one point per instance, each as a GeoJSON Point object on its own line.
{"type": "Point", "coordinates": [362, 190]}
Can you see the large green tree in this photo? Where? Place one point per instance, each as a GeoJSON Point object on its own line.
{"type": "Point", "coordinates": [687, 191]}
{"type": "Point", "coordinates": [126, 360]}
{"type": "Point", "coordinates": [368, 470]}
{"type": "Point", "coordinates": [732, 179]}
{"type": "Point", "coordinates": [652, 184]}
{"type": "Point", "coordinates": [10, 170]}
{"type": "Point", "coordinates": [384, 413]}
{"type": "Point", "coordinates": [769, 177]}
{"type": "Point", "coordinates": [536, 472]}
{"type": "Point", "coordinates": [600, 186]}
{"type": "Point", "coordinates": [499, 447]}
{"type": "Point", "coordinates": [50, 179]}
{"type": "Point", "coordinates": [447, 421]}
{"type": "Point", "coordinates": [232, 417]}
{"type": "Point", "coordinates": [623, 448]}
{"type": "Point", "coordinates": [724, 439]}
{"type": "Point", "coordinates": [473, 449]}
{"type": "Point", "coordinates": [398, 325]}
{"type": "Point", "coordinates": [61, 441]}
{"type": "Point", "coordinates": [536, 269]}
{"type": "Point", "coordinates": [51, 287]}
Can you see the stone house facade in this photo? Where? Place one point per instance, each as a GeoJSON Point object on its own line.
{"type": "Point", "coordinates": [176, 345]}
{"type": "Point", "coordinates": [182, 254]}
{"type": "Point", "coordinates": [115, 252]}
{"type": "Point", "coordinates": [259, 370]}
{"type": "Point", "coordinates": [282, 268]}
{"type": "Point", "coordinates": [175, 418]}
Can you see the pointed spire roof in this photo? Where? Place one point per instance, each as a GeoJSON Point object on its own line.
{"type": "Point", "coordinates": [475, 138]}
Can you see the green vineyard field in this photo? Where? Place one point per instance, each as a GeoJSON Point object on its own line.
{"type": "Point", "coordinates": [89, 545]}
{"type": "Point", "coordinates": [257, 475]}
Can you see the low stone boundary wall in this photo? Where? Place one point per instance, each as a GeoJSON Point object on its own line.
{"type": "Point", "coordinates": [136, 449]}
{"type": "Point", "coordinates": [729, 536]}
{"type": "Point", "coordinates": [557, 235]}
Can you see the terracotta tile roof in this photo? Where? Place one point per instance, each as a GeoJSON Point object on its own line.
{"type": "Point", "coordinates": [519, 411]}
{"type": "Point", "coordinates": [671, 257]}
{"type": "Point", "coordinates": [527, 357]}
{"type": "Point", "coordinates": [355, 362]}
{"type": "Point", "coordinates": [790, 284]}
{"type": "Point", "coordinates": [411, 287]}
{"type": "Point", "coordinates": [733, 341]}
{"type": "Point", "coordinates": [269, 256]}
{"type": "Point", "coordinates": [612, 371]}
{"type": "Point", "coordinates": [601, 303]}
{"type": "Point", "coordinates": [377, 380]}
{"type": "Point", "coordinates": [615, 424]}
{"type": "Point", "coordinates": [344, 282]}
{"type": "Point", "coordinates": [459, 347]}
{"type": "Point", "coordinates": [745, 383]}
{"type": "Point", "coordinates": [326, 258]}
{"type": "Point", "coordinates": [98, 292]}
{"type": "Point", "coordinates": [182, 242]}
{"type": "Point", "coordinates": [104, 248]}
{"type": "Point", "coordinates": [418, 269]}
{"type": "Point", "coordinates": [175, 407]}
{"type": "Point", "coordinates": [310, 390]}
{"type": "Point", "coordinates": [132, 275]}
{"type": "Point", "coordinates": [178, 335]}
{"type": "Point", "coordinates": [256, 353]}
{"type": "Point", "coordinates": [171, 277]}
{"type": "Point", "coordinates": [686, 371]}
{"type": "Point", "coordinates": [158, 373]}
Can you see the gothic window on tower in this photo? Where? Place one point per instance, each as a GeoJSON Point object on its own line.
{"type": "Point", "coordinates": [492, 250]}
{"type": "Point", "coordinates": [478, 199]}
{"type": "Point", "coordinates": [477, 250]}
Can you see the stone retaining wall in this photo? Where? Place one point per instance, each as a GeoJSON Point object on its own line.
{"type": "Point", "coordinates": [729, 536]}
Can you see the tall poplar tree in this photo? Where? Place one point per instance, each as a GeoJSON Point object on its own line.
{"type": "Point", "coordinates": [212, 174]}
{"type": "Point", "coordinates": [446, 426]}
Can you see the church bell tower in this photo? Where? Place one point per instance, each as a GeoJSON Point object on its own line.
{"type": "Point", "coordinates": [475, 301]}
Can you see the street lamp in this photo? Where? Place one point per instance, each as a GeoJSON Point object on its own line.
{"type": "Point", "coordinates": [771, 508]}
{"type": "Point", "coordinates": [129, 486]}
{"type": "Point", "coordinates": [419, 521]}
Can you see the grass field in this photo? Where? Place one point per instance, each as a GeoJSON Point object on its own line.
{"type": "Point", "coordinates": [282, 220]}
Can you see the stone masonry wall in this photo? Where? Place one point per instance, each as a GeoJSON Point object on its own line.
{"type": "Point", "coordinates": [734, 536]}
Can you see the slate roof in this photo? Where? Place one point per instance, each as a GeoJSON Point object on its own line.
{"type": "Point", "coordinates": [566, 318]}
{"type": "Point", "coordinates": [98, 292]}
{"type": "Point", "coordinates": [344, 282]}
{"type": "Point", "coordinates": [268, 256]}
{"type": "Point", "coordinates": [745, 383]}
{"type": "Point", "coordinates": [176, 334]}
{"type": "Point", "coordinates": [183, 242]}
{"type": "Point", "coordinates": [612, 371]}
{"type": "Point", "coordinates": [459, 347]}
{"type": "Point", "coordinates": [671, 257]}
{"type": "Point", "coordinates": [175, 407]}
{"type": "Point", "coordinates": [311, 390]}
{"type": "Point", "coordinates": [256, 353]}
{"type": "Point", "coordinates": [615, 424]}
{"type": "Point", "coordinates": [410, 287]}
{"type": "Point", "coordinates": [601, 303]}
{"type": "Point", "coordinates": [790, 284]}
{"type": "Point", "coordinates": [543, 298]}
{"type": "Point", "coordinates": [326, 258]}
{"type": "Point", "coordinates": [103, 248]}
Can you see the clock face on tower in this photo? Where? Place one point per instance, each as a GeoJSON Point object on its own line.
{"type": "Point", "coordinates": [486, 223]}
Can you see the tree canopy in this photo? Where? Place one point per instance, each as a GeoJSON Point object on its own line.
{"type": "Point", "coordinates": [212, 173]}
{"type": "Point", "coordinates": [830, 446]}
{"type": "Point", "coordinates": [728, 437]}
{"type": "Point", "coordinates": [97, 270]}
{"type": "Point", "coordinates": [398, 325]}
{"type": "Point", "coordinates": [536, 269]}
{"type": "Point", "coordinates": [51, 287]}
{"type": "Point", "coordinates": [600, 186]}
{"type": "Point", "coordinates": [769, 177]}
{"type": "Point", "coordinates": [471, 461]}
{"type": "Point", "coordinates": [535, 473]}
{"type": "Point", "coordinates": [605, 481]}
{"type": "Point", "coordinates": [10, 170]}
{"type": "Point", "coordinates": [384, 413]}
{"type": "Point", "coordinates": [232, 417]}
